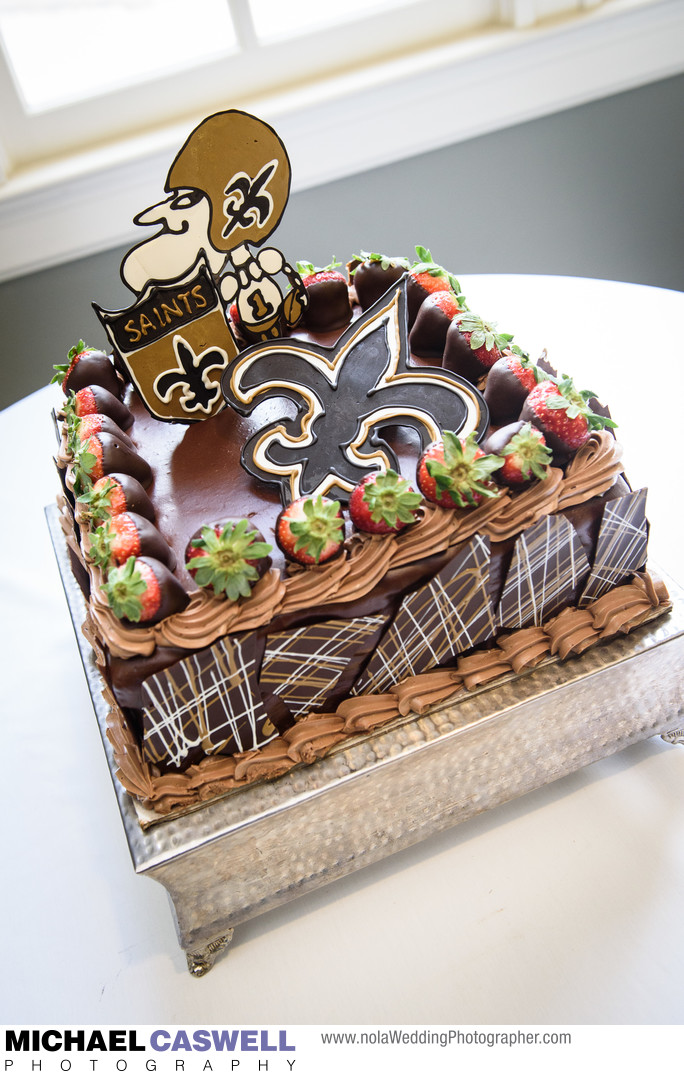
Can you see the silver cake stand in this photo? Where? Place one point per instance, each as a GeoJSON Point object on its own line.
{"type": "Point", "coordinates": [229, 860]}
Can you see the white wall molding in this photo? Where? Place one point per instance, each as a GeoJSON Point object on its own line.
{"type": "Point", "coordinates": [77, 207]}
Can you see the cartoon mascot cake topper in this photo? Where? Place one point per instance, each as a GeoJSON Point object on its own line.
{"type": "Point", "coordinates": [227, 190]}
{"type": "Point", "coordinates": [345, 397]}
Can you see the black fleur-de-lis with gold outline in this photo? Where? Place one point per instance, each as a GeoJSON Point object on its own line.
{"type": "Point", "coordinates": [191, 376]}
{"type": "Point", "coordinates": [345, 397]}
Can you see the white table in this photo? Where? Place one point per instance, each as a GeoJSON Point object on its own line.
{"type": "Point", "coordinates": [563, 907]}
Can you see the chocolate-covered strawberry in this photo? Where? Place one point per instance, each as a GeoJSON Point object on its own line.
{"type": "Point", "coordinates": [428, 335]}
{"type": "Point", "coordinates": [328, 306]}
{"type": "Point", "coordinates": [86, 366]}
{"type": "Point", "coordinates": [104, 454]}
{"type": "Point", "coordinates": [425, 278]}
{"type": "Point", "coordinates": [143, 590]}
{"type": "Point", "coordinates": [228, 557]}
{"type": "Point", "coordinates": [373, 274]}
{"type": "Point", "coordinates": [94, 399]}
{"type": "Point", "coordinates": [310, 530]}
{"type": "Point", "coordinates": [128, 534]}
{"type": "Point", "coordinates": [524, 451]}
{"type": "Point", "coordinates": [455, 472]}
{"type": "Point", "coordinates": [383, 503]}
{"type": "Point", "coordinates": [77, 428]}
{"type": "Point", "coordinates": [564, 415]}
{"type": "Point", "coordinates": [114, 493]}
{"type": "Point", "coordinates": [100, 423]}
{"type": "Point", "coordinates": [472, 346]}
{"type": "Point", "coordinates": [509, 381]}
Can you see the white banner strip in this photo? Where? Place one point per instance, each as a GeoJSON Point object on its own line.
{"type": "Point", "coordinates": [335, 1050]}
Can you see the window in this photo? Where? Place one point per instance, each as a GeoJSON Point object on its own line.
{"type": "Point", "coordinates": [97, 95]}
{"type": "Point", "coordinates": [78, 72]}
{"type": "Point", "coordinates": [62, 52]}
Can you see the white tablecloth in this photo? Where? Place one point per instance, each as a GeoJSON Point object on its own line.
{"type": "Point", "coordinates": [563, 907]}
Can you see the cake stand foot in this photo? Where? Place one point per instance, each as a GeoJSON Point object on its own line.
{"type": "Point", "coordinates": [676, 736]}
{"type": "Point", "coordinates": [201, 960]}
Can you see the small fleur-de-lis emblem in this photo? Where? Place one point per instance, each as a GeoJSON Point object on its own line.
{"type": "Point", "coordinates": [247, 200]}
{"type": "Point", "coordinates": [191, 375]}
{"type": "Point", "coordinates": [346, 397]}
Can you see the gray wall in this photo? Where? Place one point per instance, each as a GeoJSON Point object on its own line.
{"type": "Point", "coordinates": [593, 191]}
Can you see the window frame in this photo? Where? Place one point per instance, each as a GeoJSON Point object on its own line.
{"type": "Point", "coordinates": [257, 70]}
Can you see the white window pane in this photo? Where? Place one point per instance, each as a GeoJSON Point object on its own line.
{"type": "Point", "coordinates": [276, 19]}
{"type": "Point", "coordinates": [67, 50]}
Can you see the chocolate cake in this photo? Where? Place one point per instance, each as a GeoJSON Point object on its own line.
{"type": "Point", "coordinates": [298, 518]}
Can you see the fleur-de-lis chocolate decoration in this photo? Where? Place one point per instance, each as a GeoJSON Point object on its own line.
{"type": "Point", "coordinates": [346, 396]}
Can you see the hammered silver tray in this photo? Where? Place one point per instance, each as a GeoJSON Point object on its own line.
{"type": "Point", "coordinates": [382, 792]}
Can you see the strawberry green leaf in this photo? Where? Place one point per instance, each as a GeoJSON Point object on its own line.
{"type": "Point", "coordinates": [84, 459]}
{"type": "Point", "coordinates": [62, 368]}
{"type": "Point", "coordinates": [390, 499]}
{"type": "Point", "coordinates": [101, 545]}
{"type": "Point", "coordinates": [123, 590]}
{"type": "Point", "coordinates": [531, 454]}
{"type": "Point", "coordinates": [385, 261]}
{"type": "Point", "coordinates": [228, 559]}
{"type": "Point", "coordinates": [60, 373]}
{"type": "Point", "coordinates": [98, 501]}
{"type": "Point", "coordinates": [483, 333]}
{"type": "Point", "coordinates": [320, 526]}
{"type": "Point", "coordinates": [463, 472]}
{"type": "Point", "coordinates": [306, 268]}
{"type": "Point", "coordinates": [425, 264]}
{"type": "Point", "coordinates": [600, 421]}
{"type": "Point", "coordinates": [576, 402]}
{"type": "Point", "coordinates": [525, 360]}
{"type": "Point", "coordinates": [76, 350]}
{"type": "Point", "coordinates": [81, 469]}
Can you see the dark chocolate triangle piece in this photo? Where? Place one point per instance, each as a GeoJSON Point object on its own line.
{"type": "Point", "coordinates": [621, 545]}
{"type": "Point", "coordinates": [444, 617]}
{"type": "Point", "coordinates": [304, 665]}
{"type": "Point", "coordinates": [209, 700]}
{"type": "Point", "coordinates": [547, 567]}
